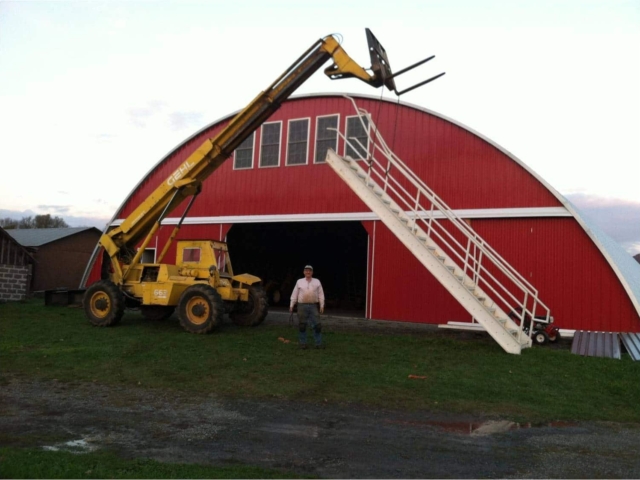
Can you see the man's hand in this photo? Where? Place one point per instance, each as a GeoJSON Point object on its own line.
{"type": "Point", "coordinates": [321, 309]}
{"type": "Point", "coordinates": [291, 309]}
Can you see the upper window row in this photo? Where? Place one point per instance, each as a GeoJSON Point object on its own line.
{"type": "Point", "coordinates": [297, 148]}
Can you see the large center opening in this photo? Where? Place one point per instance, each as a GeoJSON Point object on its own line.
{"type": "Point", "coordinates": [278, 252]}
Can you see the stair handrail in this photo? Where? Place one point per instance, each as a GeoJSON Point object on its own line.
{"type": "Point", "coordinates": [493, 256]}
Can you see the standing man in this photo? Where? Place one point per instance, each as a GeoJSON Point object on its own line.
{"type": "Point", "coordinates": [307, 293]}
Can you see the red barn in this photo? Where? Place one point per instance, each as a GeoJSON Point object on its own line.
{"type": "Point", "coordinates": [280, 206]}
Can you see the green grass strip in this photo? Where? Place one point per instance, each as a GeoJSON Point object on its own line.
{"type": "Point", "coordinates": [35, 463]}
{"type": "Point", "coordinates": [462, 373]}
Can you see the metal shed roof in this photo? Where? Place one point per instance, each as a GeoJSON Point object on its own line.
{"type": "Point", "coordinates": [36, 237]}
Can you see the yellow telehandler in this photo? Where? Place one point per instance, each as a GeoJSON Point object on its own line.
{"type": "Point", "coordinates": [201, 284]}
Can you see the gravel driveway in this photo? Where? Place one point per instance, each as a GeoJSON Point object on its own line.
{"type": "Point", "coordinates": [332, 441]}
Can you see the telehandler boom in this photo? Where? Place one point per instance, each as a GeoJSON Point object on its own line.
{"type": "Point", "coordinates": [201, 284]}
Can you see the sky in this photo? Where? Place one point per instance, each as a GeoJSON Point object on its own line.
{"type": "Point", "coordinates": [94, 93]}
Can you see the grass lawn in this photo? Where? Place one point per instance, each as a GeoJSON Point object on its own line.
{"type": "Point", "coordinates": [371, 369]}
{"type": "Point", "coordinates": [33, 463]}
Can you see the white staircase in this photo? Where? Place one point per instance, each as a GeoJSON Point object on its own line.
{"type": "Point", "coordinates": [475, 274]}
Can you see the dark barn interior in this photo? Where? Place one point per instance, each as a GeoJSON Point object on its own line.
{"type": "Point", "coordinates": [278, 252]}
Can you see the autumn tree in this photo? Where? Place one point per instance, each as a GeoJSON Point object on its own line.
{"type": "Point", "coordinates": [39, 221]}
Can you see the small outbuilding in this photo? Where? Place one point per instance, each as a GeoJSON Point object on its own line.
{"type": "Point", "coordinates": [60, 254]}
{"type": "Point", "coordinates": [16, 268]}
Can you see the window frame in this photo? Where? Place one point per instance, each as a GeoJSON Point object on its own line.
{"type": "Point", "coordinates": [198, 249]}
{"type": "Point", "coordinates": [306, 153]}
{"type": "Point", "coordinates": [262, 145]}
{"type": "Point", "coordinates": [337, 133]}
{"type": "Point", "coordinates": [148, 250]}
{"type": "Point", "coordinates": [346, 134]}
{"type": "Point", "coordinates": [253, 152]}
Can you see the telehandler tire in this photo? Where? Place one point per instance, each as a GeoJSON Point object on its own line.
{"type": "Point", "coordinates": [253, 312]}
{"type": "Point", "coordinates": [103, 304]}
{"type": "Point", "coordinates": [156, 313]}
{"type": "Point", "coordinates": [200, 309]}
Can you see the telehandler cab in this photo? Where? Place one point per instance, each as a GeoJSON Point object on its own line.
{"type": "Point", "coordinates": [201, 283]}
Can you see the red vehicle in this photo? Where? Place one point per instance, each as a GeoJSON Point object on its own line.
{"type": "Point", "coordinates": [543, 331]}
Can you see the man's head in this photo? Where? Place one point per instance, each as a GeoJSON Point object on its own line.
{"type": "Point", "coordinates": [308, 271]}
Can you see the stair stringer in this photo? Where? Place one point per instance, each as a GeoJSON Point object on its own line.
{"type": "Point", "coordinates": [501, 328]}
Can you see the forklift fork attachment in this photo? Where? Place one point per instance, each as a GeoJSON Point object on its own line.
{"type": "Point", "coordinates": [382, 69]}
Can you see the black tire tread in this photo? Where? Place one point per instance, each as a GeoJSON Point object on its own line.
{"type": "Point", "coordinates": [115, 297]}
{"type": "Point", "coordinates": [215, 303]}
{"type": "Point", "coordinates": [257, 315]}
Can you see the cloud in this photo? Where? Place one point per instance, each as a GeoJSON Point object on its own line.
{"type": "Point", "coordinates": [56, 209]}
{"type": "Point", "coordinates": [142, 116]}
{"type": "Point", "coordinates": [104, 137]}
{"type": "Point", "coordinates": [618, 218]}
{"type": "Point", "coordinates": [17, 214]}
{"type": "Point", "coordinates": [185, 120]}
{"type": "Point", "coordinates": [157, 114]}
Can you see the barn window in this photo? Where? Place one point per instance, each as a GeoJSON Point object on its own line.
{"type": "Point", "coordinates": [357, 134]}
{"type": "Point", "coordinates": [244, 154]}
{"type": "Point", "coordinates": [325, 138]}
{"type": "Point", "coordinates": [270, 145]}
{"type": "Point", "coordinates": [297, 146]}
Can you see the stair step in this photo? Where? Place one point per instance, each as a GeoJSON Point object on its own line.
{"type": "Point", "coordinates": [362, 175]}
{"type": "Point", "coordinates": [423, 239]}
{"type": "Point", "coordinates": [479, 296]}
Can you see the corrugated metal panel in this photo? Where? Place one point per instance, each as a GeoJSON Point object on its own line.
{"type": "Point", "coordinates": [403, 290]}
{"type": "Point", "coordinates": [596, 344]}
{"type": "Point", "coordinates": [569, 271]}
{"type": "Point", "coordinates": [631, 342]}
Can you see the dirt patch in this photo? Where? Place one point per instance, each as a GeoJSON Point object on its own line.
{"type": "Point", "coordinates": [332, 441]}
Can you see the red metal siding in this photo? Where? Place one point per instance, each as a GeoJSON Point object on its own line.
{"type": "Point", "coordinates": [554, 254]}
{"type": "Point", "coordinates": [403, 290]}
{"type": "Point", "coordinates": [569, 271]}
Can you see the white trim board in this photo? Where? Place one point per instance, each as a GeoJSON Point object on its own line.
{"type": "Point", "coordinates": [537, 212]}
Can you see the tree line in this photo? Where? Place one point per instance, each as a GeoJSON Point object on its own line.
{"type": "Point", "coordinates": [39, 221]}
